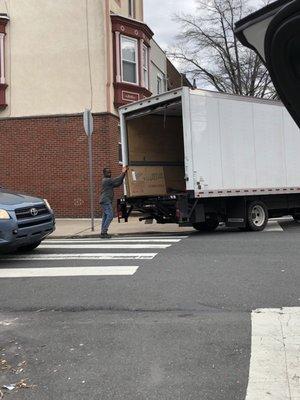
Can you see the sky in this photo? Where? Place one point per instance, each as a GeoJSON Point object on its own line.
{"type": "Point", "coordinates": [158, 14]}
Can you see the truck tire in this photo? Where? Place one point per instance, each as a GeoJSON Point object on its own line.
{"type": "Point", "coordinates": [208, 226]}
{"type": "Point", "coordinates": [29, 247]}
{"type": "Point", "coordinates": [257, 216]}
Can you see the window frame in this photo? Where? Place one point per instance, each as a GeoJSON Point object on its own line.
{"type": "Point", "coordinates": [145, 69]}
{"type": "Point", "coordinates": [131, 8]}
{"type": "Point", "coordinates": [2, 58]}
{"type": "Point", "coordinates": [159, 80]}
{"type": "Point", "coordinates": [136, 60]}
{"type": "Point", "coordinates": [160, 76]}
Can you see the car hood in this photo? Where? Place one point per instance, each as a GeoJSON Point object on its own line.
{"type": "Point", "coordinates": [11, 200]}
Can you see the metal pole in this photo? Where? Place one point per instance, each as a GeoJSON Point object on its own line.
{"type": "Point", "coordinates": [91, 180]}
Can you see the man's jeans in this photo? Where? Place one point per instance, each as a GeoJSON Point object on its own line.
{"type": "Point", "coordinates": [107, 217]}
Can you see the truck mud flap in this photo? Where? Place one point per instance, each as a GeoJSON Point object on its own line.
{"type": "Point", "coordinates": [236, 212]}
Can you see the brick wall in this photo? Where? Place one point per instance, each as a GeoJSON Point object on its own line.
{"type": "Point", "coordinates": [47, 157]}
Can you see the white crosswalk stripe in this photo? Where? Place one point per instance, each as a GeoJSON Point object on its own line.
{"type": "Point", "coordinates": [93, 249]}
{"type": "Point", "coordinates": [83, 256]}
{"type": "Point", "coordinates": [275, 355]}
{"type": "Point", "coordinates": [69, 271]}
{"type": "Point", "coordinates": [273, 226]}
{"type": "Point", "coordinates": [103, 246]}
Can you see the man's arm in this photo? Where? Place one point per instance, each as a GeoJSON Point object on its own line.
{"type": "Point", "coordinates": [119, 179]}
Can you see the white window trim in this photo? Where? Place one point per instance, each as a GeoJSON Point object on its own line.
{"type": "Point", "coordinates": [136, 63]}
{"type": "Point", "coordinates": [159, 76]}
{"type": "Point", "coordinates": [146, 84]}
{"type": "Point", "coordinates": [2, 62]}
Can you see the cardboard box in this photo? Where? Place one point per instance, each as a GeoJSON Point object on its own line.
{"type": "Point", "coordinates": [154, 181]}
{"type": "Point", "coordinates": [146, 181]}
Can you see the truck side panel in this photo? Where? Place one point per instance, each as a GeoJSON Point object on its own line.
{"type": "Point", "coordinates": [292, 147]}
{"type": "Point", "coordinates": [242, 144]}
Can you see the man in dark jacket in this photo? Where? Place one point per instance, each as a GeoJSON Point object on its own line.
{"type": "Point", "coordinates": [106, 198]}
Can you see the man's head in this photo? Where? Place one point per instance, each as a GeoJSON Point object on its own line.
{"type": "Point", "coordinates": [106, 173]}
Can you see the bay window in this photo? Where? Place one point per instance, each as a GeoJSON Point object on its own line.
{"type": "Point", "coordinates": [129, 60]}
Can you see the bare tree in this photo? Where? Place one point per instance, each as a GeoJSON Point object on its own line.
{"type": "Point", "coordinates": [210, 53]}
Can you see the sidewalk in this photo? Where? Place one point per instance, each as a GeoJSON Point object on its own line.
{"type": "Point", "coordinates": [81, 228]}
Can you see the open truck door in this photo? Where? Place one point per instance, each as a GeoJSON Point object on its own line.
{"type": "Point", "coordinates": [274, 33]}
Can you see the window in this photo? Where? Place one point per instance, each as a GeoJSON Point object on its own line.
{"type": "Point", "coordinates": [159, 84]}
{"type": "Point", "coordinates": [129, 60]}
{"type": "Point", "coordinates": [145, 66]}
{"type": "Point", "coordinates": [131, 8]}
{"type": "Point", "coordinates": [160, 88]}
{"type": "Point", "coordinates": [2, 72]}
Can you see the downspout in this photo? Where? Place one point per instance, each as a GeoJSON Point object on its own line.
{"type": "Point", "coordinates": [108, 56]}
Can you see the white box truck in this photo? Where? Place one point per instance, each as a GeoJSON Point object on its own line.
{"type": "Point", "coordinates": [198, 158]}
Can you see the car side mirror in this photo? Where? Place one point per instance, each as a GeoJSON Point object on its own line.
{"type": "Point", "coordinates": [274, 33]}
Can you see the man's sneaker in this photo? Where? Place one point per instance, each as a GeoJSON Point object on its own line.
{"type": "Point", "coordinates": [105, 236]}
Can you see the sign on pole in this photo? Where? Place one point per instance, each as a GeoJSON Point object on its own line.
{"type": "Point", "coordinates": [89, 128]}
{"type": "Point", "coordinates": [88, 122]}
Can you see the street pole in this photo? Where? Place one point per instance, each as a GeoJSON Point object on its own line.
{"type": "Point", "coordinates": [88, 127]}
{"type": "Point", "coordinates": [91, 181]}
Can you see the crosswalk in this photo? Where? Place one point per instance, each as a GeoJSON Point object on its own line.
{"type": "Point", "coordinates": [70, 256]}
{"type": "Point", "coordinates": [275, 355]}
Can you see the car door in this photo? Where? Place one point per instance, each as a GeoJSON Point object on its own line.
{"type": "Point", "coordinates": [274, 33]}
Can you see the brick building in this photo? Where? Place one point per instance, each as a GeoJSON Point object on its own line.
{"type": "Point", "coordinates": [56, 61]}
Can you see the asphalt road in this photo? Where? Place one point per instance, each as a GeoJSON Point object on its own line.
{"type": "Point", "coordinates": [177, 328]}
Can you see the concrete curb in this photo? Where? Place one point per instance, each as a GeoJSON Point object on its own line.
{"type": "Point", "coordinates": [95, 236]}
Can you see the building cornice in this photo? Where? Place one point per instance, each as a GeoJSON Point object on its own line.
{"type": "Point", "coordinates": [131, 27]}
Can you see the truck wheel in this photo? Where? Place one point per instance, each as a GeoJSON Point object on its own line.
{"type": "Point", "coordinates": [257, 216]}
{"type": "Point", "coordinates": [30, 247]}
{"type": "Point", "coordinates": [208, 226]}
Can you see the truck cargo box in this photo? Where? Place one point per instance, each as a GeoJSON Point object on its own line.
{"type": "Point", "coordinates": [210, 144]}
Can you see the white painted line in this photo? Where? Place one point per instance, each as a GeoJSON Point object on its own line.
{"type": "Point", "coordinates": [67, 241]}
{"type": "Point", "coordinates": [273, 226]}
{"type": "Point", "coordinates": [287, 218]}
{"type": "Point", "coordinates": [275, 355]}
{"type": "Point", "coordinates": [103, 246]}
{"type": "Point", "coordinates": [82, 256]}
{"type": "Point", "coordinates": [70, 271]}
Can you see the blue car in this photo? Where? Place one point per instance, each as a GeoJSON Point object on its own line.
{"type": "Point", "coordinates": [24, 221]}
